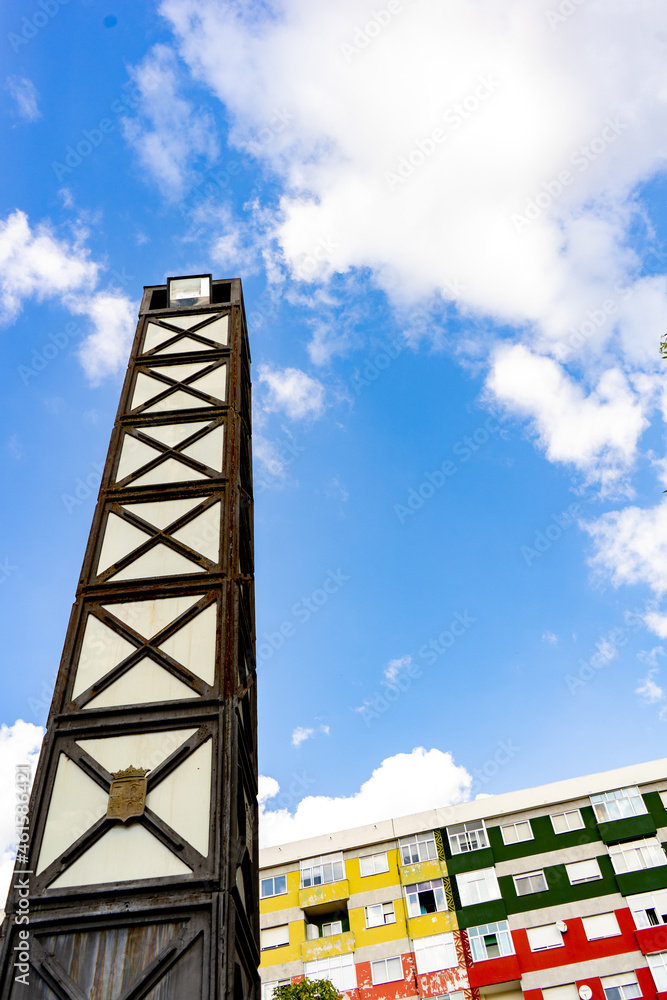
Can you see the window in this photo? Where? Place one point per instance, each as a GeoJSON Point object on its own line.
{"type": "Point", "coordinates": [658, 965]}
{"type": "Point", "coordinates": [490, 941]}
{"type": "Point", "coordinates": [435, 952]}
{"type": "Point", "coordinates": [637, 854]}
{"type": "Point", "coordinates": [379, 914]}
{"type": "Point", "coordinates": [319, 871]}
{"type": "Point", "coordinates": [530, 882]}
{"type": "Point", "coordinates": [387, 970]}
{"type": "Point", "coordinates": [602, 925]}
{"type": "Point", "coordinates": [619, 804]}
{"type": "Point", "coordinates": [663, 798]}
{"type": "Point", "coordinates": [566, 821]}
{"type": "Point", "coordinates": [546, 936]}
{"type": "Point", "coordinates": [419, 848]}
{"type": "Point", "coordinates": [268, 988]}
{"type": "Point", "coordinates": [623, 987]}
{"type": "Point", "coordinates": [478, 887]}
{"type": "Point", "coordinates": [583, 871]}
{"type": "Point", "coordinates": [274, 937]}
{"type": "Point", "coordinates": [339, 969]}
{"type": "Point", "coordinates": [515, 833]}
{"type": "Point", "coordinates": [569, 992]}
{"type": "Point", "coordinates": [373, 864]}
{"type": "Point", "coordinates": [649, 909]}
{"type": "Point", "coordinates": [335, 927]}
{"type": "Point", "coordinates": [275, 886]}
{"type": "Point", "coordinates": [425, 897]}
{"type": "Point", "coordinates": [466, 837]}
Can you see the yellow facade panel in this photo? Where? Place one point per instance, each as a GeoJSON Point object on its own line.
{"type": "Point", "coordinates": [287, 900]}
{"type": "Point", "coordinates": [318, 895]}
{"type": "Point", "coordinates": [289, 952]}
{"type": "Point", "coordinates": [432, 923]}
{"type": "Point", "coordinates": [365, 937]}
{"type": "Point", "coordinates": [423, 871]}
{"type": "Point", "coordinates": [365, 883]}
{"type": "Point", "coordinates": [325, 947]}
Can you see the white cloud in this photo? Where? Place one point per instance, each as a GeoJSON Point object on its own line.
{"type": "Point", "coordinates": [631, 547]}
{"type": "Point", "coordinates": [517, 103]}
{"type": "Point", "coordinates": [393, 669]}
{"type": "Point", "coordinates": [403, 784]}
{"type": "Point", "coordinates": [19, 744]}
{"type": "Point", "coordinates": [649, 690]}
{"type": "Point", "coordinates": [650, 656]}
{"type": "Point", "coordinates": [597, 433]}
{"type": "Point", "coordinates": [36, 264]}
{"type": "Point", "coordinates": [550, 637]}
{"type": "Point", "coordinates": [301, 734]}
{"type": "Point", "coordinates": [292, 391]}
{"type": "Point", "coordinates": [24, 93]}
{"type": "Point", "coordinates": [170, 135]}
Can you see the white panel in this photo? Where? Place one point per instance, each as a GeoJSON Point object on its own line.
{"type": "Point", "coordinates": [602, 925]}
{"type": "Point", "coordinates": [150, 617]}
{"type": "Point", "coordinates": [178, 400]}
{"type": "Point", "coordinates": [144, 389]}
{"type": "Point", "coordinates": [101, 650]}
{"type": "Point", "coordinates": [546, 936]}
{"type": "Point", "coordinates": [77, 802]}
{"type": "Point", "coordinates": [156, 335]}
{"type": "Point", "coordinates": [208, 449]}
{"type": "Point", "coordinates": [143, 683]}
{"type": "Point", "coordinates": [179, 373]}
{"type": "Point", "coordinates": [123, 854]}
{"type": "Point", "coordinates": [214, 384]}
{"type": "Point", "coordinates": [194, 645]}
{"type": "Point", "coordinates": [187, 322]}
{"type": "Point", "coordinates": [173, 434]}
{"type": "Point", "coordinates": [162, 512]}
{"type": "Point", "coordinates": [183, 345]}
{"type": "Point", "coordinates": [145, 750]}
{"type": "Point", "coordinates": [158, 561]}
{"type": "Point", "coordinates": [133, 455]}
{"type": "Point", "coordinates": [169, 471]}
{"type": "Point", "coordinates": [203, 533]}
{"type": "Point", "coordinates": [120, 538]}
{"type": "Point", "coordinates": [274, 937]}
{"type": "Point", "coordinates": [216, 331]}
{"type": "Point", "coordinates": [183, 799]}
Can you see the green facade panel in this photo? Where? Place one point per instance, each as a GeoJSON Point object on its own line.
{"type": "Point", "coordinates": [560, 890]}
{"type": "Point", "coordinates": [482, 913]}
{"type": "Point", "coordinates": [471, 861]}
{"type": "Point", "coordinates": [628, 829]}
{"type": "Point", "coordinates": [645, 881]}
{"type": "Point", "coordinates": [544, 839]}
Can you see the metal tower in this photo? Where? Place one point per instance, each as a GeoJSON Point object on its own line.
{"type": "Point", "coordinates": [139, 881]}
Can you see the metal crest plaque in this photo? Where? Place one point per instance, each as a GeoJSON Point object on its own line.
{"type": "Point", "coordinates": [127, 795]}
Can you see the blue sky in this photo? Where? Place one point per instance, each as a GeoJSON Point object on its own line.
{"type": "Point", "coordinates": [451, 231]}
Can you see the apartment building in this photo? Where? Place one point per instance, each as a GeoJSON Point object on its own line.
{"type": "Point", "coordinates": [552, 893]}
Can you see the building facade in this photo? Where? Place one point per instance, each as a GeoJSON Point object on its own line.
{"type": "Point", "coordinates": [553, 893]}
{"type": "Point", "coordinates": [136, 873]}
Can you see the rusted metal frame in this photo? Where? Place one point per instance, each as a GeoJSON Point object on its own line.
{"type": "Point", "coordinates": [53, 974]}
{"type": "Point", "coordinates": [171, 386]}
{"type": "Point", "coordinates": [163, 962]}
{"type": "Point", "coordinates": [176, 843]}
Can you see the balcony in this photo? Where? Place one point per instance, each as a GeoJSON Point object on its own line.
{"type": "Point", "coordinates": [422, 871]}
{"type": "Point", "coordinates": [324, 895]}
{"type": "Point", "coordinates": [326, 947]}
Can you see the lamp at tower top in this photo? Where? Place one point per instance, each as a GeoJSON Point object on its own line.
{"type": "Point", "coordinates": [193, 290]}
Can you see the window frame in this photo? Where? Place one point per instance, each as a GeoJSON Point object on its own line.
{"type": "Point", "coordinates": [271, 947]}
{"type": "Point", "coordinates": [660, 967]}
{"type": "Point", "coordinates": [384, 961]}
{"type": "Point", "coordinates": [527, 875]}
{"type": "Point", "coordinates": [438, 895]}
{"type": "Point", "coordinates": [464, 880]}
{"type": "Point", "coordinates": [545, 947]}
{"type": "Point", "coordinates": [275, 983]}
{"type": "Point", "coordinates": [631, 976]}
{"type": "Point", "coordinates": [460, 830]}
{"type": "Point", "coordinates": [589, 878]}
{"type": "Point", "coordinates": [373, 906]}
{"type": "Point", "coordinates": [638, 906]}
{"type": "Point", "coordinates": [417, 840]}
{"type": "Point", "coordinates": [570, 829]}
{"type": "Point", "coordinates": [330, 966]}
{"type": "Point", "coordinates": [423, 945]}
{"type": "Point", "coordinates": [321, 862]}
{"type": "Point", "coordinates": [604, 799]}
{"type": "Point", "coordinates": [377, 871]}
{"type": "Point", "coordinates": [513, 826]}
{"type": "Point", "coordinates": [597, 916]}
{"type": "Point", "coordinates": [641, 843]}
{"type": "Point", "coordinates": [502, 933]}
{"type": "Point", "coordinates": [272, 878]}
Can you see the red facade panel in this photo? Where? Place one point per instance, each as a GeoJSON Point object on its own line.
{"type": "Point", "coordinates": [494, 970]}
{"type": "Point", "coordinates": [652, 939]}
{"type": "Point", "coordinates": [576, 947]}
